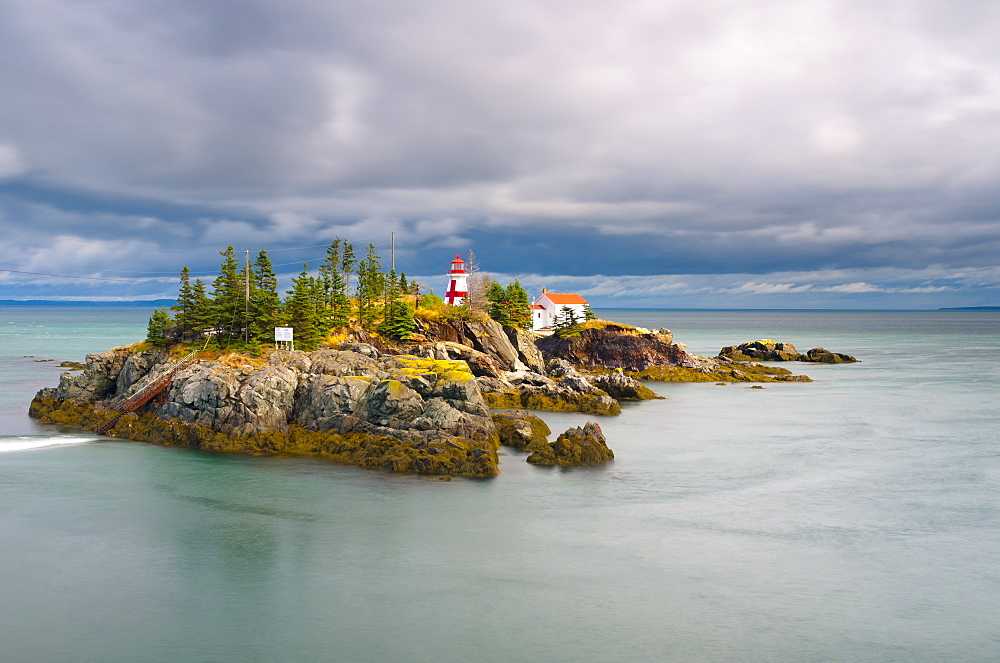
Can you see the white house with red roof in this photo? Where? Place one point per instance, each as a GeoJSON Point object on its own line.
{"type": "Point", "coordinates": [549, 305]}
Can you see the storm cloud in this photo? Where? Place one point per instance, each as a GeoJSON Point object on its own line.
{"type": "Point", "coordinates": [722, 153]}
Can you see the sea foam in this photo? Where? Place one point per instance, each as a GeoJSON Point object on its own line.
{"type": "Point", "coordinates": [25, 442]}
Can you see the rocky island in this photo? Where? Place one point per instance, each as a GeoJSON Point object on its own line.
{"type": "Point", "coordinates": [430, 389]}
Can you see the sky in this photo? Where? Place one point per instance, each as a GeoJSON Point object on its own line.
{"type": "Point", "coordinates": [645, 153]}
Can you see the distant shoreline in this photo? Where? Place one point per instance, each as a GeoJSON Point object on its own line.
{"type": "Point", "coordinates": [57, 302]}
{"type": "Point", "coordinates": [157, 303]}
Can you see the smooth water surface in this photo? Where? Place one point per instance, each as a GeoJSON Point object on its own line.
{"type": "Point", "coordinates": [854, 518]}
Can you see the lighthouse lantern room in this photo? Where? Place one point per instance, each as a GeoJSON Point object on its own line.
{"type": "Point", "coordinates": [458, 283]}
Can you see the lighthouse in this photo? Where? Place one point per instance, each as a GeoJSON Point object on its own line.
{"type": "Point", "coordinates": [458, 284]}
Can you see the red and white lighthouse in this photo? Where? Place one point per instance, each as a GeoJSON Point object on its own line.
{"type": "Point", "coordinates": [458, 285]}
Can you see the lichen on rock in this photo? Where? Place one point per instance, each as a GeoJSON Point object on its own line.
{"type": "Point", "coordinates": [576, 447]}
{"type": "Point", "coordinates": [824, 356]}
{"type": "Point", "coordinates": [521, 430]}
{"type": "Point", "coordinates": [357, 406]}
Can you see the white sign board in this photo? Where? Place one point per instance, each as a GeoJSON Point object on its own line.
{"type": "Point", "coordinates": [283, 334]}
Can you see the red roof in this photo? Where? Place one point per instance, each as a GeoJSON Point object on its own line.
{"type": "Point", "coordinates": [564, 298]}
{"type": "Point", "coordinates": [537, 307]}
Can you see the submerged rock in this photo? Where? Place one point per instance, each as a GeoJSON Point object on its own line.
{"type": "Point", "coordinates": [576, 447]}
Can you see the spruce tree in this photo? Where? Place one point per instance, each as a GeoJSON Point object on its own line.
{"type": "Point", "coordinates": [301, 311]}
{"type": "Point", "coordinates": [201, 309]}
{"type": "Point", "coordinates": [371, 289]}
{"type": "Point", "coordinates": [228, 297]}
{"type": "Point", "coordinates": [329, 268]}
{"type": "Point", "coordinates": [399, 322]}
{"type": "Point", "coordinates": [334, 275]}
{"type": "Point", "coordinates": [520, 307]}
{"type": "Point", "coordinates": [157, 327]}
{"type": "Point", "coordinates": [390, 287]}
{"type": "Point", "coordinates": [184, 306]}
{"type": "Point", "coordinates": [566, 323]}
{"type": "Point", "coordinates": [265, 303]}
{"type": "Point", "coordinates": [497, 298]}
{"type": "Point", "coordinates": [347, 263]}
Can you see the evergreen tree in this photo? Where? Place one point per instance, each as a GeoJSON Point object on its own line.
{"type": "Point", "coordinates": [520, 306]}
{"type": "Point", "coordinates": [509, 306]}
{"type": "Point", "coordinates": [334, 275]}
{"type": "Point", "coordinates": [339, 312]}
{"type": "Point", "coordinates": [392, 292]}
{"type": "Point", "coordinates": [347, 263]}
{"type": "Point", "coordinates": [329, 269]}
{"type": "Point", "coordinates": [202, 314]}
{"type": "Point", "coordinates": [398, 321]}
{"type": "Point", "coordinates": [265, 303]}
{"type": "Point", "coordinates": [156, 330]}
{"type": "Point", "coordinates": [566, 323]}
{"type": "Point", "coordinates": [228, 297]}
{"type": "Point", "coordinates": [301, 311]}
{"type": "Point", "coordinates": [184, 306]}
{"type": "Point", "coordinates": [497, 298]}
{"type": "Point", "coordinates": [371, 289]}
{"type": "Point", "coordinates": [587, 313]}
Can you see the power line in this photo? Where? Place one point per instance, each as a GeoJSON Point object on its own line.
{"type": "Point", "coordinates": [85, 278]}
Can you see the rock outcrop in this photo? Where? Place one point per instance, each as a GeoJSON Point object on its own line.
{"type": "Point", "coordinates": [720, 371]}
{"type": "Point", "coordinates": [824, 356]}
{"type": "Point", "coordinates": [616, 346]}
{"type": "Point", "coordinates": [585, 445]}
{"type": "Point", "coordinates": [562, 390]}
{"type": "Point", "coordinates": [521, 430]}
{"type": "Point", "coordinates": [766, 350]}
{"type": "Point", "coordinates": [399, 413]}
{"type": "Point", "coordinates": [623, 387]}
{"type": "Point", "coordinates": [488, 337]}
{"type": "Point", "coordinates": [760, 350]}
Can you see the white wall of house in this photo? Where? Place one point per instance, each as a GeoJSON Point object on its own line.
{"type": "Point", "coordinates": [545, 317]}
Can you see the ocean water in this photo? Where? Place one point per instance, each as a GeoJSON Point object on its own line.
{"type": "Point", "coordinates": [854, 518]}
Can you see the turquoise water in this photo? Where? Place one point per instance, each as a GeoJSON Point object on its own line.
{"type": "Point", "coordinates": [854, 518]}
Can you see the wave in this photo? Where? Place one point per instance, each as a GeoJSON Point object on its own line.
{"type": "Point", "coordinates": [25, 442]}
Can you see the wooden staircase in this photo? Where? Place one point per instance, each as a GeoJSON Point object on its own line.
{"type": "Point", "coordinates": [146, 394]}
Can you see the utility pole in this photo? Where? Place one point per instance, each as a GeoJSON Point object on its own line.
{"type": "Point", "coordinates": [246, 316]}
{"type": "Point", "coordinates": [392, 239]}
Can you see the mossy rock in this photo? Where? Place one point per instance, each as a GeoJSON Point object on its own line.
{"type": "Point", "coordinates": [521, 430]}
{"type": "Point", "coordinates": [452, 455]}
{"type": "Point", "coordinates": [824, 356]}
{"type": "Point", "coordinates": [595, 402]}
{"type": "Point", "coordinates": [502, 400]}
{"type": "Point", "coordinates": [727, 373]}
{"type": "Point", "coordinates": [577, 447]}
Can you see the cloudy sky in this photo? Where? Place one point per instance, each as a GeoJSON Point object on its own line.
{"type": "Point", "coordinates": [718, 153]}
